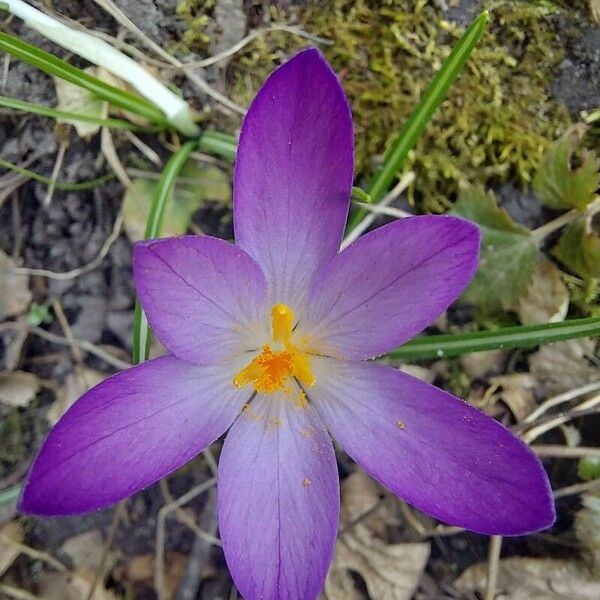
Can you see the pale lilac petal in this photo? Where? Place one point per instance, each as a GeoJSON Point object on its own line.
{"type": "Point", "coordinates": [389, 285]}
{"type": "Point", "coordinates": [433, 450]}
{"type": "Point", "coordinates": [128, 432]}
{"type": "Point", "coordinates": [278, 497]}
{"type": "Point", "coordinates": [293, 174]}
{"type": "Point", "coordinates": [205, 299]}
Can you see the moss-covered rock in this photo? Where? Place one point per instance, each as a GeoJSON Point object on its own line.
{"type": "Point", "coordinates": [497, 120]}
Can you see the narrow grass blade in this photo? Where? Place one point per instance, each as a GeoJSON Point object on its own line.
{"type": "Point", "coordinates": [218, 143]}
{"type": "Point", "coordinates": [526, 336]}
{"type": "Point", "coordinates": [141, 330]}
{"type": "Point", "coordinates": [59, 185]}
{"type": "Point", "coordinates": [10, 494]}
{"type": "Point", "coordinates": [59, 68]}
{"type": "Point", "coordinates": [414, 127]}
{"type": "Point", "coordinates": [47, 111]}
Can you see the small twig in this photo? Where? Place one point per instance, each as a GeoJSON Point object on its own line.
{"type": "Point", "coordinates": [33, 553]}
{"type": "Point", "coordinates": [189, 585]}
{"type": "Point", "coordinates": [493, 563]}
{"type": "Point", "coordinates": [17, 229]}
{"type": "Point", "coordinates": [210, 461]}
{"type": "Point", "coordinates": [386, 200]}
{"type": "Point", "coordinates": [117, 516]}
{"type": "Point", "coordinates": [560, 399]}
{"type": "Point", "coordinates": [159, 575]}
{"type": "Point", "coordinates": [251, 37]}
{"type": "Point", "coordinates": [588, 407]}
{"type": "Point", "coordinates": [57, 339]}
{"type": "Point", "coordinates": [110, 7]}
{"type": "Point", "coordinates": [577, 488]}
{"type": "Point", "coordinates": [545, 230]}
{"type": "Point", "coordinates": [184, 517]}
{"type": "Point", "coordinates": [16, 593]}
{"type": "Point", "coordinates": [566, 452]}
{"type": "Point", "coordinates": [410, 518]}
{"type": "Point", "coordinates": [64, 323]}
{"type": "Point", "coordinates": [390, 211]}
{"type": "Point", "coordinates": [106, 246]}
{"type": "Point", "coordinates": [58, 163]}
{"type": "Point", "coordinates": [5, 67]}
{"type": "Point", "coordinates": [148, 152]}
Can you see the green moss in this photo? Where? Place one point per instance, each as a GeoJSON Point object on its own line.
{"type": "Point", "coordinates": [196, 15]}
{"type": "Point", "coordinates": [497, 120]}
{"type": "Point", "coordinates": [585, 295]}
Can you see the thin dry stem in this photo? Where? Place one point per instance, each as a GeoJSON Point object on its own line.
{"type": "Point", "coordinates": [106, 246]}
{"type": "Point", "coordinates": [159, 575]}
{"type": "Point", "coordinates": [493, 563]}
{"type": "Point", "coordinates": [578, 488]}
{"type": "Point", "coordinates": [57, 339]}
{"type": "Point", "coordinates": [386, 200]}
{"type": "Point", "coordinates": [58, 163]}
{"type": "Point", "coordinates": [99, 575]}
{"type": "Point", "coordinates": [566, 452]}
{"type": "Point", "coordinates": [561, 399]}
{"type": "Point", "coordinates": [587, 407]}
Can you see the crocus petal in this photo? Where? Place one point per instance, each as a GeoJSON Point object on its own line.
{"type": "Point", "coordinates": [204, 298]}
{"type": "Point", "coordinates": [389, 285]}
{"type": "Point", "coordinates": [293, 174]}
{"type": "Point", "coordinates": [278, 498]}
{"type": "Point", "coordinates": [128, 432]}
{"type": "Point", "coordinates": [433, 450]}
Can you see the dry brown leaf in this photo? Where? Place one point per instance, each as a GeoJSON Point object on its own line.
{"type": "Point", "coordinates": [419, 372]}
{"type": "Point", "coordinates": [390, 571]}
{"type": "Point", "coordinates": [516, 391]}
{"type": "Point", "coordinates": [565, 365]}
{"type": "Point", "coordinates": [85, 550]}
{"type": "Point", "coordinates": [533, 579]}
{"type": "Point", "coordinates": [587, 528]}
{"type": "Point", "coordinates": [74, 99]}
{"type": "Point", "coordinates": [11, 534]}
{"type": "Point", "coordinates": [14, 289]}
{"type": "Point", "coordinates": [73, 585]}
{"type": "Point", "coordinates": [479, 365]}
{"type": "Point", "coordinates": [76, 384]}
{"type": "Point", "coordinates": [141, 570]}
{"type": "Point", "coordinates": [547, 297]}
{"type": "Point", "coordinates": [18, 388]}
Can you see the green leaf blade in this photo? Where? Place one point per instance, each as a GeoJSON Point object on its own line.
{"type": "Point", "coordinates": [524, 336]}
{"type": "Point", "coordinates": [142, 336]}
{"type": "Point", "coordinates": [579, 249]}
{"type": "Point", "coordinates": [59, 68]}
{"type": "Point", "coordinates": [558, 185]}
{"type": "Point", "coordinates": [508, 252]}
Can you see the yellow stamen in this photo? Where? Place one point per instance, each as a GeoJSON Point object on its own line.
{"type": "Point", "coordinates": [282, 321]}
{"type": "Point", "coordinates": [270, 371]}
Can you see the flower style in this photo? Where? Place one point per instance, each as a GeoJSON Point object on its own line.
{"type": "Point", "coordinates": [268, 338]}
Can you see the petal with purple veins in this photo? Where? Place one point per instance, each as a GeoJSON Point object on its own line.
{"type": "Point", "coordinates": [389, 285]}
{"type": "Point", "coordinates": [293, 174]}
{"type": "Point", "coordinates": [128, 432]}
{"type": "Point", "coordinates": [278, 498]}
{"type": "Point", "coordinates": [205, 299]}
{"type": "Point", "coordinates": [433, 450]}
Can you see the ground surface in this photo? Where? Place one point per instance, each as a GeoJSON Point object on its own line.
{"type": "Point", "coordinates": [97, 307]}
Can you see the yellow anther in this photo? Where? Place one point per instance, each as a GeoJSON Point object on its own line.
{"type": "Point", "coordinates": [271, 370]}
{"type": "Point", "coordinates": [282, 321]}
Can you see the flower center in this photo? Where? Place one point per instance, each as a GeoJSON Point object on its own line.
{"type": "Point", "coordinates": [270, 371]}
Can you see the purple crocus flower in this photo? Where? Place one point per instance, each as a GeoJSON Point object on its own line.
{"type": "Point", "coordinates": [268, 338]}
